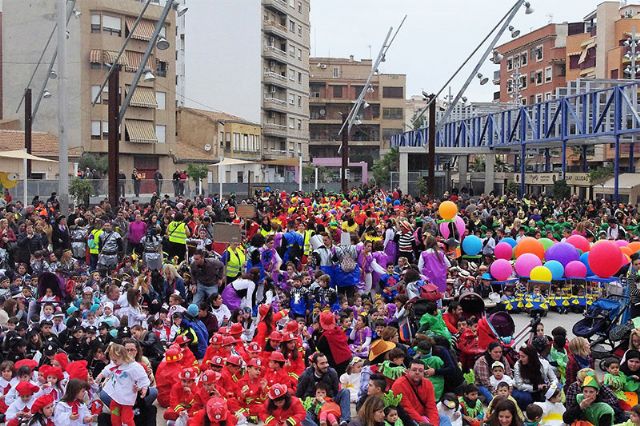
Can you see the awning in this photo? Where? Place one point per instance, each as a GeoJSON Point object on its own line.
{"type": "Point", "coordinates": [579, 52]}
{"type": "Point", "coordinates": [287, 162]}
{"type": "Point", "coordinates": [233, 162]}
{"type": "Point", "coordinates": [134, 59]}
{"type": "Point", "coordinates": [143, 31]}
{"type": "Point", "coordinates": [143, 97]}
{"type": "Point", "coordinates": [97, 56]}
{"type": "Point", "coordinates": [141, 131]}
{"type": "Point", "coordinates": [21, 154]}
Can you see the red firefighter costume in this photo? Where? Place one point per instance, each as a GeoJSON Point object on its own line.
{"type": "Point", "coordinates": [295, 363]}
{"type": "Point", "coordinates": [217, 412]}
{"type": "Point", "coordinates": [214, 349]}
{"type": "Point", "coordinates": [183, 395]}
{"type": "Point", "coordinates": [167, 374]}
{"type": "Point", "coordinates": [189, 358]}
{"type": "Point", "coordinates": [252, 392]}
{"type": "Point", "coordinates": [292, 416]}
{"type": "Point", "coordinates": [231, 378]}
{"type": "Point", "coordinates": [278, 375]}
{"type": "Point", "coordinates": [236, 331]}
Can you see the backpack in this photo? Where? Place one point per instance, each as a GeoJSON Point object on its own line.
{"type": "Point", "coordinates": [347, 264]}
{"type": "Point", "coordinates": [203, 335]}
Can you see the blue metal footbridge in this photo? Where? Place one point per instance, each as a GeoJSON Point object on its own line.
{"type": "Point", "coordinates": [602, 116]}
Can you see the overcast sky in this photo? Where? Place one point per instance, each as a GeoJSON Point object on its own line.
{"type": "Point", "coordinates": [435, 39]}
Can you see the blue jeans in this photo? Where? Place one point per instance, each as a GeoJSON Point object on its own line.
{"type": "Point", "coordinates": [484, 391]}
{"type": "Point", "coordinates": [523, 398]}
{"type": "Point", "coordinates": [203, 293]}
{"type": "Point", "coordinates": [152, 394]}
{"type": "Point", "coordinates": [444, 420]}
{"type": "Point", "coordinates": [343, 399]}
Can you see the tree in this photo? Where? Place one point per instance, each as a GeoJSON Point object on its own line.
{"type": "Point", "coordinates": [561, 190]}
{"type": "Point", "coordinates": [418, 123]}
{"type": "Point", "coordinates": [478, 164]}
{"type": "Point", "coordinates": [94, 162]}
{"type": "Point", "coordinates": [81, 190]}
{"type": "Point", "coordinates": [383, 167]}
{"type": "Point", "coordinates": [512, 188]}
{"type": "Point", "coordinates": [197, 172]}
{"type": "Point", "coordinates": [600, 174]}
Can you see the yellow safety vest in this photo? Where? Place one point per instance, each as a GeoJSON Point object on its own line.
{"type": "Point", "coordinates": [96, 241]}
{"type": "Point", "coordinates": [177, 232]}
{"type": "Point", "coordinates": [307, 241]}
{"type": "Point", "coordinates": [235, 262]}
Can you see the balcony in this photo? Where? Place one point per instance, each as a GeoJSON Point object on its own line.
{"type": "Point", "coordinates": [271, 77]}
{"type": "Point", "coordinates": [275, 104]}
{"type": "Point", "coordinates": [276, 29]}
{"type": "Point", "coordinates": [279, 6]}
{"type": "Point", "coordinates": [272, 129]}
{"type": "Point", "coordinates": [272, 52]}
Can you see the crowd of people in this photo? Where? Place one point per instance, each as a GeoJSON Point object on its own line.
{"type": "Point", "coordinates": [110, 312]}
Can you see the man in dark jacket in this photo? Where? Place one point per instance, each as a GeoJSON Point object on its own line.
{"type": "Point", "coordinates": [319, 371]}
{"type": "Point", "coordinates": [151, 346]}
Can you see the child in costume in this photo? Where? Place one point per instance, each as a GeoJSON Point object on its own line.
{"type": "Point", "coordinates": [182, 398]}
{"type": "Point", "coordinates": [450, 407]}
{"type": "Point", "coordinates": [20, 408]}
{"type": "Point", "coordinates": [503, 391]}
{"type": "Point", "coordinates": [351, 379]}
{"type": "Point", "coordinates": [42, 411]}
{"type": "Point", "coordinates": [361, 337]}
{"type": "Point", "coordinates": [71, 409]}
{"type": "Point", "coordinates": [596, 410]}
{"type": "Point", "coordinates": [552, 408]}
{"type": "Point", "coordinates": [616, 381]}
{"type": "Point", "coordinates": [327, 411]}
{"type": "Point", "coordinates": [472, 409]}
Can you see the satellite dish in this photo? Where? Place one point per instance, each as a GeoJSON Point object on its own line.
{"type": "Point", "coordinates": [207, 147]}
{"type": "Point", "coordinates": [323, 112]}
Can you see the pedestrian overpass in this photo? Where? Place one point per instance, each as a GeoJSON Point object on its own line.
{"type": "Point", "coordinates": [601, 116]}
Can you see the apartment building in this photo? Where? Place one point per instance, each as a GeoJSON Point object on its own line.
{"type": "Point", "coordinates": [258, 70]}
{"type": "Point", "coordinates": [534, 65]}
{"type": "Point", "coordinates": [335, 83]}
{"type": "Point", "coordinates": [96, 33]}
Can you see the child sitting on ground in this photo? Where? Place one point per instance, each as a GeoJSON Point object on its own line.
{"type": "Point", "coordinates": [325, 408]}
{"type": "Point", "coordinates": [498, 376]}
{"type": "Point", "coordinates": [391, 417]}
{"type": "Point", "coordinates": [552, 408]}
{"type": "Point", "coordinates": [503, 391]}
{"type": "Point", "coordinates": [532, 415]}
{"type": "Point", "coordinates": [450, 407]}
{"type": "Point", "coordinates": [616, 381]}
{"type": "Point", "coordinates": [472, 409]}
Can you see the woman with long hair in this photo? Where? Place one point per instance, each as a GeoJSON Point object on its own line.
{"type": "Point", "coordinates": [173, 282]}
{"type": "Point", "coordinates": [267, 323]}
{"type": "Point", "coordinates": [504, 413]}
{"type": "Point", "coordinates": [579, 357]}
{"type": "Point", "coordinates": [135, 350]}
{"type": "Point", "coordinates": [293, 353]}
{"type": "Point", "coordinates": [532, 377]}
{"type": "Point", "coordinates": [371, 413]}
{"type": "Point", "coordinates": [434, 264]}
{"type": "Point", "coordinates": [368, 265]}
{"type": "Point", "coordinates": [133, 311]}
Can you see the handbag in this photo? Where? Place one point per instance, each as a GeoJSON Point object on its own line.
{"type": "Point", "coordinates": [347, 264]}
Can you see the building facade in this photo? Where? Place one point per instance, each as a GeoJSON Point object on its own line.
{"type": "Point", "coordinates": [96, 34]}
{"type": "Point", "coordinates": [258, 70]}
{"type": "Point", "coordinates": [335, 83]}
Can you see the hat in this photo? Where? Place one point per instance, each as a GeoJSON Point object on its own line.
{"type": "Point", "coordinates": [234, 360]}
{"type": "Point", "coordinates": [26, 388]}
{"type": "Point", "coordinates": [62, 359]}
{"type": "Point", "coordinates": [257, 362]}
{"type": "Point", "coordinates": [254, 347]}
{"type": "Point", "coordinates": [216, 339]}
{"type": "Point", "coordinates": [50, 349]}
{"type": "Point", "coordinates": [42, 402]}
{"type": "Point", "coordinates": [327, 320]}
{"type": "Point", "coordinates": [263, 310]}
{"type": "Point", "coordinates": [463, 273]}
{"type": "Point", "coordinates": [275, 337]}
{"type": "Point", "coordinates": [379, 347]}
{"type": "Point", "coordinates": [228, 340]}
{"type": "Point", "coordinates": [31, 364]}
{"type": "Point", "coordinates": [497, 364]}
{"type": "Point", "coordinates": [288, 337]}
{"type": "Point", "coordinates": [450, 403]}
{"type": "Point", "coordinates": [292, 327]}
{"type": "Point", "coordinates": [173, 355]}
{"type": "Point", "coordinates": [591, 381]}
{"type": "Point", "coordinates": [275, 356]}
{"type": "Point", "coordinates": [217, 361]}
{"type": "Point", "coordinates": [78, 370]}
{"type": "Point", "coordinates": [87, 290]}
{"type": "Point", "coordinates": [236, 329]}
{"type": "Point", "coordinates": [187, 374]}
{"type": "Point", "coordinates": [540, 343]}
{"type": "Point", "coordinates": [71, 309]}
{"type": "Point", "coordinates": [181, 340]}
{"type": "Point", "coordinates": [210, 376]}
{"type": "Point", "coordinates": [223, 330]}
{"type": "Point", "coordinates": [277, 391]}
{"type": "Point", "coordinates": [355, 360]}
{"type": "Point", "coordinates": [217, 409]}
{"type": "Point", "coordinates": [108, 305]}
{"type": "Point", "coordinates": [90, 329]}
{"type": "Point", "coordinates": [193, 310]}
{"type": "Point", "coordinates": [54, 371]}
{"type": "Point", "coordinates": [553, 390]}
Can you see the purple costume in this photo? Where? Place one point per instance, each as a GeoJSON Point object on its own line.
{"type": "Point", "coordinates": [434, 268]}
{"type": "Point", "coordinates": [362, 338]}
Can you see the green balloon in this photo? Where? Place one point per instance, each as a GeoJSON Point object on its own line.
{"type": "Point", "coordinates": [546, 243]}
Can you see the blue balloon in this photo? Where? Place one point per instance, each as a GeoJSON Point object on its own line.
{"type": "Point", "coordinates": [267, 189]}
{"type": "Point", "coordinates": [396, 203]}
{"type": "Point", "coordinates": [509, 241]}
{"type": "Point", "coordinates": [556, 268]}
{"type": "Point", "coordinates": [487, 276]}
{"type": "Point", "coordinates": [472, 245]}
{"type": "Point", "coordinates": [584, 258]}
{"type": "Point", "coordinates": [388, 200]}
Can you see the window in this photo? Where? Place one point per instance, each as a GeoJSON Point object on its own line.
{"type": "Point", "coordinates": [387, 133]}
{"type": "Point", "coordinates": [300, 54]}
{"type": "Point", "coordinates": [509, 64]}
{"type": "Point", "coordinates": [292, 99]}
{"type": "Point", "coordinates": [336, 72]}
{"type": "Point", "coordinates": [112, 25]}
{"type": "Point", "coordinates": [95, 23]}
{"type": "Point", "coordinates": [292, 51]}
{"type": "Point", "coordinates": [537, 53]}
{"type": "Point", "coordinates": [539, 98]}
{"type": "Point", "coordinates": [300, 30]}
{"type": "Point", "coordinates": [538, 77]}
{"type": "Point", "coordinates": [95, 91]}
{"type": "Point", "coordinates": [337, 91]}
{"type": "Point", "coordinates": [292, 26]}
{"type": "Point", "coordinates": [523, 81]}
{"type": "Point", "coordinates": [548, 74]}
{"type": "Point", "coordinates": [299, 78]}
{"type": "Point", "coordinates": [236, 141]}
{"type": "Point", "coordinates": [161, 132]}
{"type": "Point", "coordinates": [524, 58]}
{"type": "Point", "coordinates": [299, 7]}
{"type": "Point", "coordinates": [393, 92]}
{"type": "Point", "coordinates": [245, 142]}
{"type": "Point", "coordinates": [292, 123]}
{"type": "Point", "coordinates": [240, 177]}
{"type": "Point", "coordinates": [299, 124]}
{"type": "Point", "coordinates": [509, 86]}
{"type": "Point", "coordinates": [392, 113]}
{"type": "Point", "coordinates": [548, 96]}
{"type": "Point", "coordinates": [299, 101]}
{"type": "Point", "coordinates": [161, 99]}
{"type": "Point", "coordinates": [95, 130]}
{"type": "Point", "coordinates": [161, 68]}
{"type": "Point", "coordinates": [105, 129]}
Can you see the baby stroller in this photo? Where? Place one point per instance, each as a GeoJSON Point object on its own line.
{"type": "Point", "coordinates": [468, 346]}
{"type": "Point", "coordinates": [499, 327]}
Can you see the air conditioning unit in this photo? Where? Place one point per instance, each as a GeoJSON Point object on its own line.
{"type": "Point", "coordinates": [323, 112]}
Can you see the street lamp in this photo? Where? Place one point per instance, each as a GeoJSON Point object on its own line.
{"type": "Point", "coordinates": [514, 33]}
{"type": "Point", "coordinates": [483, 80]}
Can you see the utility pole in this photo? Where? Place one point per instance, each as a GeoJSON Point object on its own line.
{"type": "Point", "coordinates": [114, 137]}
{"type": "Point", "coordinates": [63, 146]}
{"type": "Point", "coordinates": [27, 127]}
{"type": "Point", "coordinates": [345, 154]}
{"type": "Point", "coordinates": [431, 155]}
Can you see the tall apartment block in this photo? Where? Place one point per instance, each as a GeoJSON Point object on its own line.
{"type": "Point", "coordinates": [96, 34]}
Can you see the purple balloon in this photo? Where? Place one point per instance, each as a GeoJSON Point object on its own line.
{"type": "Point", "coordinates": [563, 253]}
{"type": "Point", "coordinates": [444, 230]}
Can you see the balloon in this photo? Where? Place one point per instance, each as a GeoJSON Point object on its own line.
{"type": "Point", "coordinates": [579, 242]}
{"type": "Point", "coordinates": [472, 245]}
{"type": "Point", "coordinates": [546, 243]}
{"type": "Point", "coordinates": [622, 243]}
{"type": "Point", "coordinates": [460, 226]}
{"type": "Point", "coordinates": [509, 241]}
{"type": "Point", "coordinates": [556, 268]}
{"type": "Point", "coordinates": [503, 251]}
{"type": "Point", "coordinates": [396, 203]}
{"type": "Point", "coordinates": [541, 274]}
{"type": "Point", "coordinates": [575, 269]}
{"type": "Point", "coordinates": [634, 246]}
{"type": "Point", "coordinates": [626, 250]}
{"type": "Point", "coordinates": [625, 260]}
{"type": "Point", "coordinates": [562, 252]}
{"type": "Point", "coordinates": [447, 210]}
{"type": "Point", "coordinates": [501, 269]}
{"type": "Point", "coordinates": [530, 245]}
{"type": "Point", "coordinates": [444, 230]}
{"type": "Point", "coordinates": [525, 263]}
{"type": "Point", "coordinates": [605, 258]}
{"type": "Point", "coordinates": [584, 258]}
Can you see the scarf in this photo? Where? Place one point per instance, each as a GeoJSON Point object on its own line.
{"type": "Point", "coordinates": [75, 407]}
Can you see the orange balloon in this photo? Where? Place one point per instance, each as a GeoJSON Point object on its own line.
{"type": "Point", "coordinates": [529, 245]}
{"type": "Point", "coordinates": [634, 246]}
{"type": "Point", "coordinates": [626, 250]}
{"type": "Point", "coordinates": [448, 210]}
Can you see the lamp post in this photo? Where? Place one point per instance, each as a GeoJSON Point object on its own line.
{"type": "Point", "coordinates": [300, 171]}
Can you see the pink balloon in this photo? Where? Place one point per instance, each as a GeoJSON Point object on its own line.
{"type": "Point", "coordinates": [460, 226]}
{"type": "Point", "coordinates": [444, 230]}
{"type": "Point", "coordinates": [604, 258]}
{"type": "Point", "coordinates": [503, 251]}
{"type": "Point", "coordinates": [579, 242]}
{"type": "Point", "coordinates": [525, 263]}
{"type": "Point", "coordinates": [501, 269]}
{"type": "Point", "coordinates": [575, 269]}
{"type": "Point", "coordinates": [622, 243]}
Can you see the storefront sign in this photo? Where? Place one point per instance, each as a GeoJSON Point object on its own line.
{"type": "Point", "coordinates": [538, 178]}
{"type": "Point", "coordinates": [578, 179]}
